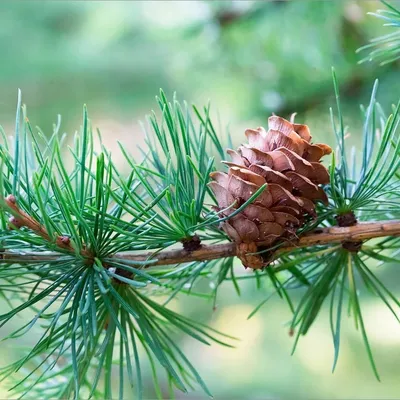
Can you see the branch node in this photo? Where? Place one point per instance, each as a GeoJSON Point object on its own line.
{"type": "Point", "coordinates": [15, 223]}
{"type": "Point", "coordinates": [63, 240]}
{"type": "Point", "coordinates": [353, 246]}
{"type": "Point", "coordinates": [124, 273]}
{"type": "Point", "coordinates": [11, 199]}
{"type": "Point", "coordinates": [346, 219]}
{"type": "Point", "coordinates": [192, 243]}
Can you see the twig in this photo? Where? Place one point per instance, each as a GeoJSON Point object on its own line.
{"type": "Point", "coordinates": [21, 218]}
{"type": "Point", "coordinates": [361, 231]}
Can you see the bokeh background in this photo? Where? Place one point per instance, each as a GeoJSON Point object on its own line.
{"type": "Point", "coordinates": [250, 59]}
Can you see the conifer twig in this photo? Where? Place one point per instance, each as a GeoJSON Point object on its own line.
{"type": "Point", "coordinates": [361, 231]}
{"type": "Point", "coordinates": [320, 236]}
{"type": "Point", "coordinates": [21, 218]}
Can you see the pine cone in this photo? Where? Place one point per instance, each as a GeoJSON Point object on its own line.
{"type": "Point", "coordinates": [289, 163]}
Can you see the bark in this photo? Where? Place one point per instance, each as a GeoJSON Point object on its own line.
{"type": "Point", "coordinates": [331, 235]}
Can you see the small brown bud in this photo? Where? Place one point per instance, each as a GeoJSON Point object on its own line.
{"type": "Point", "coordinates": [105, 327]}
{"type": "Point", "coordinates": [14, 223]}
{"type": "Point", "coordinates": [353, 246]}
{"type": "Point", "coordinates": [346, 219]}
{"type": "Point", "coordinates": [11, 199]}
{"type": "Point", "coordinates": [191, 243]}
{"type": "Point", "coordinates": [65, 240]}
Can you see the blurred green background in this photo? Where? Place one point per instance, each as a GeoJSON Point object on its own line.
{"type": "Point", "coordinates": [250, 59]}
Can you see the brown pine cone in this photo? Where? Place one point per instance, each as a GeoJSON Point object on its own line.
{"type": "Point", "coordinates": [289, 163]}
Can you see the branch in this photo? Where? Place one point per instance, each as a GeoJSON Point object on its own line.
{"type": "Point", "coordinates": [359, 232]}
{"type": "Point", "coordinates": [21, 218]}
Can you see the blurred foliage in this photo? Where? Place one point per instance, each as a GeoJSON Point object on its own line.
{"type": "Point", "coordinates": [250, 58]}
{"type": "Point", "coordinates": [261, 57]}
{"type": "Point", "coordinates": [386, 48]}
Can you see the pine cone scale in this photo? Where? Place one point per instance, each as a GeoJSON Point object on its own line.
{"type": "Point", "coordinates": [252, 155]}
{"type": "Point", "coordinates": [321, 175]}
{"type": "Point", "coordinates": [281, 162]}
{"type": "Point", "coordinates": [258, 213]}
{"type": "Point", "coordinates": [272, 176]}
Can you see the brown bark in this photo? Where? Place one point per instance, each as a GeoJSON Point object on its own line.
{"type": "Point", "coordinates": [361, 231]}
{"type": "Point", "coordinates": [21, 218]}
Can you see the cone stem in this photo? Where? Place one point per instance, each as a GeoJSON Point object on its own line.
{"type": "Point", "coordinates": [361, 231]}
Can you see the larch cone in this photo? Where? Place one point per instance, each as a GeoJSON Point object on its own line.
{"type": "Point", "coordinates": [285, 159]}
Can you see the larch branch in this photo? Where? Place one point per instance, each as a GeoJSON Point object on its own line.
{"type": "Point", "coordinates": [320, 236]}
{"type": "Point", "coordinates": [21, 218]}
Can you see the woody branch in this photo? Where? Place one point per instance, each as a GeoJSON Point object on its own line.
{"type": "Point", "coordinates": [330, 235]}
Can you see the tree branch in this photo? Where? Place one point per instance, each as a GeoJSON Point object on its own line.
{"type": "Point", "coordinates": [21, 218]}
{"type": "Point", "coordinates": [359, 232]}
